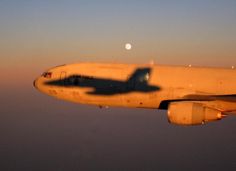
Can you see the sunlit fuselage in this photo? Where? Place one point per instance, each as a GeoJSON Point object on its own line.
{"type": "Point", "coordinates": [143, 86]}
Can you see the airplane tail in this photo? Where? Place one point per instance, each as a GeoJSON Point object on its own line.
{"type": "Point", "coordinates": [140, 75]}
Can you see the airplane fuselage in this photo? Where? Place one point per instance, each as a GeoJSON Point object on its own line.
{"type": "Point", "coordinates": [171, 83]}
{"type": "Point", "coordinates": [140, 86]}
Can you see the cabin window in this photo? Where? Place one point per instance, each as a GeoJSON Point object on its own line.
{"type": "Point", "coordinates": [47, 75]}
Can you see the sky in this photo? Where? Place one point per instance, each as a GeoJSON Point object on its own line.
{"type": "Point", "coordinates": [169, 32]}
{"type": "Point", "coordinates": [41, 133]}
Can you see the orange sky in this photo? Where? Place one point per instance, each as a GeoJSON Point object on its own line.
{"type": "Point", "coordinates": [36, 36]}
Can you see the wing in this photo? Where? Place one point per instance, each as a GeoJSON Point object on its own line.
{"type": "Point", "coordinates": [227, 98]}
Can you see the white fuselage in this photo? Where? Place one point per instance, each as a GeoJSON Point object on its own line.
{"type": "Point", "coordinates": [144, 86]}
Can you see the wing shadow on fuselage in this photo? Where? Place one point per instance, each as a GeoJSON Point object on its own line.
{"type": "Point", "coordinates": [137, 82]}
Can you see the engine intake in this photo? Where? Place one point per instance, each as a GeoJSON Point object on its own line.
{"type": "Point", "coordinates": [191, 113]}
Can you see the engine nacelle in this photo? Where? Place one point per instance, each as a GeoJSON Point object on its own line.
{"type": "Point", "coordinates": [191, 113]}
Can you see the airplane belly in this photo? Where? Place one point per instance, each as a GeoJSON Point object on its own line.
{"type": "Point", "coordinates": [141, 100]}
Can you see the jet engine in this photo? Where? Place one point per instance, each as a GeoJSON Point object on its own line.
{"type": "Point", "coordinates": [191, 113]}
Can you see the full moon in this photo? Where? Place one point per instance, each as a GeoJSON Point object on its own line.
{"type": "Point", "coordinates": [128, 46]}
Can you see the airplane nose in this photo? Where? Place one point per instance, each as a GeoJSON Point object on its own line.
{"type": "Point", "coordinates": [35, 84]}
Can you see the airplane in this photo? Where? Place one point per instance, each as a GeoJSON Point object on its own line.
{"type": "Point", "coordinates": [191, 95]}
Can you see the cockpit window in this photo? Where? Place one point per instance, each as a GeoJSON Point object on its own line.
{"type": "Point", "coordinates": [47, 75]}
